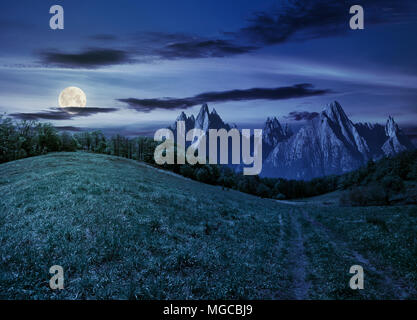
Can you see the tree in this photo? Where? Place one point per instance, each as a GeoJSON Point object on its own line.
{"type": "Point", "coordinates": [68, 142]}
{"type": "Point", "coordinates": [48, 139]}
{"type": "Point", "coordinates": [263, 191]}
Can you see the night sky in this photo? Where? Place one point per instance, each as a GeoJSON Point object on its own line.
{"type": "Point", "coordinates": [141, 63]}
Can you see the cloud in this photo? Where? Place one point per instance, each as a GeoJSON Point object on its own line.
{"type": "Point", "coordinates": [280, 93]}
{"type": "Point", "coordinates": [301, 115]}
{"type": "Point", "coordinates": [160, 45]}
{"type": "Point", "coordinates": [202, 49]}
{"type": "Point", "coordinates": [90, 58]}
{"type": "Point", "coordinates": [60, 114]}
{"type": "Point", "coordinates": [290, 20]}
{"type": "Point", "coordinates": [144, 47]}
{"type": "Point", "coordinates": [310, 19]}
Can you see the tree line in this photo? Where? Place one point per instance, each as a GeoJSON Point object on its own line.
{"type": "Point", "coordinates": [29, 138]}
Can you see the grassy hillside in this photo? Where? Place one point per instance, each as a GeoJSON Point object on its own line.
{"type": "Point", "coordinates": [124, 230]}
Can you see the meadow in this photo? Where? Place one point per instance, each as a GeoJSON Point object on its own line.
{"type": "Point", "coordinates": [122, 229]}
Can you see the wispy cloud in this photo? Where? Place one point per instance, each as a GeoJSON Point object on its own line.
{"type": "Point", "coordinates": [90, 58]}
{"type": "Point", "coordinates": [301, 115]}
{"type": "Point", "coordinates": [310, 19]}
{"type": "Point", "coordinates": [280, 93]}
{"type": "Point", "coordinates": [292, 20]}
{"type": "Point", "coordinates": [202, 49]}
{"type": "Point", "coordinates": [61, 114]}
{"type": "Point", "coordinates": [144, 48]}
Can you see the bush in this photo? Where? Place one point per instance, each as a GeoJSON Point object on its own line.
{"type": "Point", "coordinates": [412, 175]}
{"type": "Point", "coordinates": [393, 184]}
{"type": "Point", "coordinates": [364, 196]}
{"type": "Point", "coordinates": [262, 191]}
{"type": "Point", "coordinates": [206, 174]}
{"type": "Point", "coordinates": [187, 171]}
{"type": "Point", "coordinates": [280, 196]}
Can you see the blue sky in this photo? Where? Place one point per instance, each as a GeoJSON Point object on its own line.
{"type": "Point", "coordinates": [131, 55]}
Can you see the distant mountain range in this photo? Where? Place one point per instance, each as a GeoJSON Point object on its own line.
{"type": "Point", "coordinates": [330, 143]}
{"type": "Point", "coordinates": [205, 120]}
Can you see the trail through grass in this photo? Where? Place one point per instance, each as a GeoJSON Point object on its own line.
{"type": "Point", "coordinates": [124, 230]}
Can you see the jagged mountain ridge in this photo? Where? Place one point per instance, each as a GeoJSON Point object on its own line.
{"type": "Point", "coordinates": [205, 120]}
{"type": "Point", "coordinates": [397, 141]}
{"type": "Point", "coordinates": [327, 144]}
{"type": "Point", "coordinates": [331, 144]}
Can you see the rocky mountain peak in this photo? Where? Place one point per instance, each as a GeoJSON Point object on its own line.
{"type": "Point", "coordinates": [397, 140]}
{"type": "Point", "coordinates": [272, 123]}
{"type": "Point", "coordinates": [204, 110]}
{"type": "Point", "coordinates": [205, 120]}
{"type": "Point", "coordinates": [182, 117]}
{"type": "Point", "coordinates": [391, 127]}
{"type": "Point", "coordinates": [202, 120]}
{"type": "Point", "coordinates": [189, 122]}
{"type": "Point", "coordinates": [272, 134]}
{"type": "Point", "coordinates": [272, 130]}
{"type": "Point", "coordinates": [328, 144]}
{"type": "Point", "coordinates": [287, 130]}
{"type": "Point", "coordinates": [324, 145]}
{"type": "Point", "coordinates": [345, 130]}
{"type": "Point", "coordinates": [335, 112]}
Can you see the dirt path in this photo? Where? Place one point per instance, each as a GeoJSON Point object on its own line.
{"type": "Point", "coordinates": [399, 288]}
{"type": "Point", "coordinates": [298, 262]}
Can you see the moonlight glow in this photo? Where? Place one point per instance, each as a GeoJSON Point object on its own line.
{"type": "Point", "coordinates": [72, 97]}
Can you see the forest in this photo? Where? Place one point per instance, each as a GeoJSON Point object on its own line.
{"type": "Point", "coordinates": [373, 184]}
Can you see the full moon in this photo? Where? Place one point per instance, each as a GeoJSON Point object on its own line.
{"type": "Point", "coordinates": [72, 97]}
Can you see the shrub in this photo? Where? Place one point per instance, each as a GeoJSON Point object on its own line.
{"type": "Point", "coordinates": [187, 171]}
{"type": "Point", "coordinates": [364, 196]}
{"type": "Point", "coordinates": [262, 191]}
{"type": "Point", "coordinates": [393, 184]}
{"type": "Point", "coordinates": [280, 196]}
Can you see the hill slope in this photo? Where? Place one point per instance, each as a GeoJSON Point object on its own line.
{"type": "Point", "coordinates": [123, 230]}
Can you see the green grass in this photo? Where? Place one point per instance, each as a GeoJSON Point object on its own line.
{"type": "Point", "coordinates": [124, 230]}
